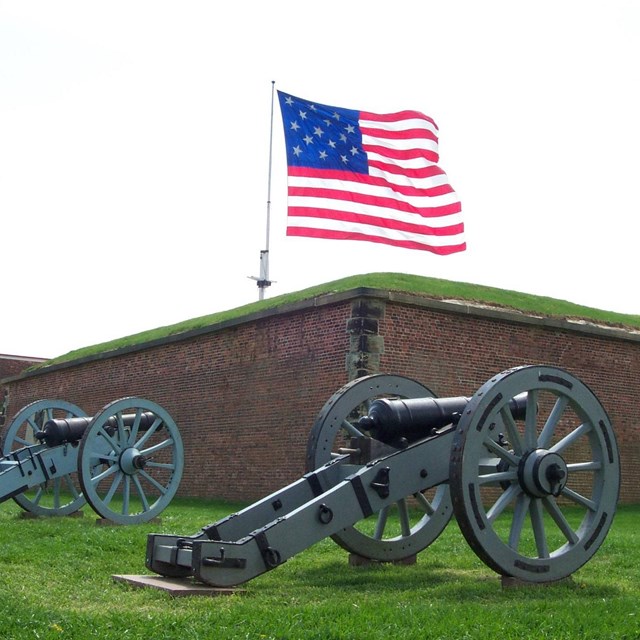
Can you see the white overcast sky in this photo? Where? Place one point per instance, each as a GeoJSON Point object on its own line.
{"type": "Point", "coordinates": [134, 150]}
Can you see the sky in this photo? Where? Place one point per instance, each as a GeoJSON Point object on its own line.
{"type": "Point", "coordinates": [138, 160]}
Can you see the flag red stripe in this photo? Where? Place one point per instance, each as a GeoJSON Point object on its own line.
{"type": "Point", "coordinates": [376, 181]}
{"type": "Point", "coordinates": [402, 154]}
{"type": "Point", "coordinates": [421, 172]}
{"type": "Point", "coordinates": [395, 117]}
{"type": "Point", "coordinates": [375, 221]}
{"type": "Point", "coordinates": [403, 134]}
{"type": "Point", "coordinates": [348, 235]}
{"type": "Point", "coordinates": [377, 201]}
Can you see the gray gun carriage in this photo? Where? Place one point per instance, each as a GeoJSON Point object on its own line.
{"type": "Point", "coordinates": [528, 466]}
{"type": "Point", "coordinates": [126, 461]}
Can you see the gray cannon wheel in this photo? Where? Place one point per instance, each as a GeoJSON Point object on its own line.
{"type": "Point", "coordinates": [60, 496]}
{"type": "Point", "coordinates": [414, 522]}
{"type": "Point", "coordinates": [537, 502]}
{"type": "Point", "coordinates": [130, 473]}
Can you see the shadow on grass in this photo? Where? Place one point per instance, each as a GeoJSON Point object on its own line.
{"type": "Point", "coordinates": [459, 583]}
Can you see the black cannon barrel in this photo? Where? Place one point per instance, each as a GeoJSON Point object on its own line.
{"type": "Point", "coordinates": [389, 420]}
{"type": "Point", "coordinates": [60, 430]}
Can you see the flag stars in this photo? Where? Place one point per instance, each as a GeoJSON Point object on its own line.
{"type": "Point", "coordinates": [297, 151]}
{"type": "Point", "coordinates": [343, 138]}
{"type": "Point", "coordinates": [308, 139]}
{"type": "Point", "coordinates": [332, 144]}
{"type": "Point", "coordinates": [302, 114]}
{"type": "Point", "coordinates": [294, 125]}
{"type": "Point", "coordinates": [344, 159]}
{"type": "Point", "coordinates": [350, 128]}
{"type": "Point", "coordinates": [318, 131]}
{"type": "Point", "coordinates": [323, 155]}
{"type": "Point", "coordinates": [354, 151]}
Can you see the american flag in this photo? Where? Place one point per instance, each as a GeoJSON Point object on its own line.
{"type": "Point", "coordinates": [355, 175]}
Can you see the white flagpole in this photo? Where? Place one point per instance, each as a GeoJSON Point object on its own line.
{"type": "Point", "coordinates": [263, 281]}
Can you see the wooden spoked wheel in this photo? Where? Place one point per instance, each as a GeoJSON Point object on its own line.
{"type": "Point", "coordinates": [535, 497]}
{"type": "Point", "coordinates": [59, 496]}
{"type": "Point", "coordinates": [413, 523]}
{"type": "Point", "coordinates": [130, 461]}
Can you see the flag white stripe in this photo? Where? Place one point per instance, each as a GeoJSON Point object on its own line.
{"type": "Point", "coordinates": [404, 181]}
{"type": "Point", "coordinates": [374, 191]}
{"type": "Point", "coordinates": [401, 144]}
{"type": "Point", "coordinates": [399, 125]}
{"type": "Point", "coordinates": [372, 230]}
{"type": "Point", "coordinates": [371, 210]}
{"type": "Point", "coordinates": [408, 163]}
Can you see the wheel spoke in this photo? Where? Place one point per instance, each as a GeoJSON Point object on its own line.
{"type": "Point", "coordinates": [569, 439]}
{"type": "Point", "coordinates": [535, 510]}
{"type": "Point", "coordinates": [498, 477]}
{"type": "Point", "coordinates": [122, 434]}
{"type": "Point", "coordinates": [126, 494]}
{"type": "Point", "coordinates": [134, 428]}
{"type": "Point", "coordinates": [71, 487]}
{"type": "Point", "coordinates": [351, 429]}
{"type": "Point", "coordinates": [594, 465]}
{"type": "Point", "coordinates": [160, 487]}
{"type": "Point", "coordinates": [558, 517]}
{"type": "Point", "coordinates": [56, 493]}
{"type": "Point", "coordinates": [403, 514]}
{"type": "Point", "coordinates": [519, 515]}
{"type": "Point", "coordinates": [503, 502]}
{"type": "Point", "coordinates": [39, 494]}
{"type": "Point", "coordinates": [110, 470]}
{"type": "Point", "coordinates": [552, 421]}
{"type": "Point", "coordinates": [157, 447]}
{"type": "Point", "coordinates": [150, 432]}
{"type": "Point", "coordinates": [427, 507]}
{"type": "Point", "coordinates": [501, 452]}
{"type": "Point", "coordinates": [33, 425]}
{"type": "Point", "coordinates": [579, 499]}
{"type": "Point", "coordinates": [114, 486]}
{"type": "Point", "coordinates": [381, 523]}
{"type": "Point", "coordinates": [530, 419]}
{"type": "Point", "coordinates": [143, 497]}
{"type": "Point", "coordinates": [512, 430]}
{"type": "Point", "coordinates": [160, 465]}
{"type": "Point", "coordinates": [114, 445]}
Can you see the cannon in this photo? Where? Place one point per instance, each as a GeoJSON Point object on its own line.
{"type": "Point", "coordinates": [528, 465]}
{"type": "Point", "coordinates": [126, 461]}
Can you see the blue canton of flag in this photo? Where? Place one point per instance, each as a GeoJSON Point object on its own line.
{"type": "Point", "coordinates": [323, 137]}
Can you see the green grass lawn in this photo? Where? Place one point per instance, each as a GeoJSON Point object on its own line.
{"type": "Point", "coordinates": [435, 288]}
{"type": "Point", "coordinates": [56, 582]}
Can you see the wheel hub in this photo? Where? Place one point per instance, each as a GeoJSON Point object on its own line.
{"type": "Point", "coordinates": [542, 473]}
{"type": "Point", "coordinates": [132, 461]}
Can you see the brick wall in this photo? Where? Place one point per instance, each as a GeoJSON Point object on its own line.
{"type": "Point", "coordinates": [245, 393]}
{"type": "Point", "coordinates": [11, 366]}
